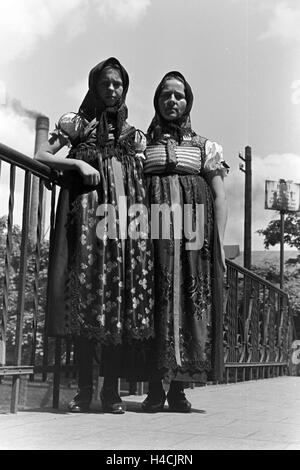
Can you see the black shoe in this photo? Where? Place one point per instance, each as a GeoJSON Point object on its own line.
{"type": "Point", "coordinates": [113, 404]}
{"type": "Point", "coordinates": [178, 402]}
{"type": "Point", "coordinates": [75, 407]}
{"type": "Point", "coordinates": [81, 401]}
{"type": "Point", "coordinates": [154, 403]}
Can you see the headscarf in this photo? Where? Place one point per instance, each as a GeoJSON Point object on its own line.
{"type": "Point", "coordinates": [181, 126]}
{"type": "Point", "coordinates": [93, 107]}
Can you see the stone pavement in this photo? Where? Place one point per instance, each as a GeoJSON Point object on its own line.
{"type": "Point", "coordinates": [262, 414]}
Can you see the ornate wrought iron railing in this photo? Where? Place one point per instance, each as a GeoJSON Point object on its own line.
{"type": "Point", "coordinates": [256, 313]}
{"type": "Point", "coordinates": [257, 327]}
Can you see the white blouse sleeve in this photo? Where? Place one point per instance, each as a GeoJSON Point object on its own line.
{"type": "Point", "coordinates": [140, 143]}
{"type": "Point", "coordinates": [214, 160]}
{"type": "Point", "coordinates": [70, 126]}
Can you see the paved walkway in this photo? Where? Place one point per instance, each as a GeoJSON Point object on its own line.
{"type": "Point", "coordinates": [261, 414]}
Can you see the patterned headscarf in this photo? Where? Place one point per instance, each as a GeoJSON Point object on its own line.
{"type": "Point", "coordinates": [177, 128]}
{"type": "Point", "coordinates": [93, 107]}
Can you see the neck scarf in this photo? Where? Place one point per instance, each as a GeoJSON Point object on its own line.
{"type": "Point", "coordinates": [93, 107]}
{"type": "Point", "coordinates": [179, 128]}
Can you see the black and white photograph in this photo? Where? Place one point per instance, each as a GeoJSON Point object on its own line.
{"type": "Point", "coordinates": [149, 227]}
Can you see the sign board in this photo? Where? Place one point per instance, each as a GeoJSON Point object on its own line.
{"type": "Point", "coordinates": [282, 196]}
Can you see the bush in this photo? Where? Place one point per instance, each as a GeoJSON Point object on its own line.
{"type": "Point", "coordinates": [35, 293]}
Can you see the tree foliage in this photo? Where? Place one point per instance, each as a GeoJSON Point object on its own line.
{"type": "Point", "coordinates": [36, 281]}
{"type": "Point", "coordinates": [292, 266]}
{"type": "Point", "coordinates": [270, 272]}
{"type": "Point", "coordinates": [291, 232]}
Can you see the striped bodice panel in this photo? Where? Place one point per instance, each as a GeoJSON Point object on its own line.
{"type": "Point", "coordinates": [187, 160]}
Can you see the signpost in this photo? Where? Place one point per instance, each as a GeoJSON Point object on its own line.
{"type": "Point", "coordinates": [283, 196]}
{"type": "Point", "coordinates": [247, 169]}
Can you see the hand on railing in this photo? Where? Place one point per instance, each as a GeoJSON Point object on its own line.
{"type": "Point", "coordinates": [55, 178]}
{"type": "Point", "coordinates": [90, 175]}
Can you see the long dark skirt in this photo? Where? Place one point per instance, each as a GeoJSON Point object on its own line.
{"type": "Point", "coordinates": [188, 285]}
{"type": "Point", "coordinates": [101, 287]}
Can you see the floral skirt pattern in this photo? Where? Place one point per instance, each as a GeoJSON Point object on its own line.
{"type": "Point", "coordinates": [104, 279]}
{"type": "Point", "coordinates": [185, 280]}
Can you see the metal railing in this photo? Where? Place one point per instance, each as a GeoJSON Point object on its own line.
{"type": "Point", "coordinates": [257, 327]}
{"type": "Point", "coordinates": [13, 310]}
{"type": "Point", "coordinates": [257, 322]}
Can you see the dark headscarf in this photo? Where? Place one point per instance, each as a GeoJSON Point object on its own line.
{"type": "Point", "coordinates": [177, 128]}
{"type": "Point", "coordinates": [93, 107]}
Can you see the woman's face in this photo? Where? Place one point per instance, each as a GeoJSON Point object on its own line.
{"type": "Point", "coordinates": [172, 101]}
{"type": "Point", "coordinates": [110, 86]}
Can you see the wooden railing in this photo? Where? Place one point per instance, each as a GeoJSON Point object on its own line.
{"type": "Point", "coordinates": [257, 333]}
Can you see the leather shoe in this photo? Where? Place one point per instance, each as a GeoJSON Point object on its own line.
{"type": "Point", "coordinates": [74, 407]}
{"type": "Point", "coordinates": [111, 406]}
{"type": "Point", "coordinates": [152, 404]}
{"type": "Point", "coordinates": [178, 402]}
{"type": "Point", "coordinates": [81, 402]}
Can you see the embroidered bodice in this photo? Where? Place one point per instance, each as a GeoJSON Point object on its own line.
{"type": "Point", "coordinates": [196, 155]}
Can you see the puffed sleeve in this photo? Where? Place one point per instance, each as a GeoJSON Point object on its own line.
{"type": "Point", "coordinates": [70, 127]}
{"type": "Point", "coordinates": [140, 143]}
{"type": "Point", "coordinates": [214, 160]}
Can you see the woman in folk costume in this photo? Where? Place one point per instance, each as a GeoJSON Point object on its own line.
{"type": "Point", "coordinates": [185, 174]}
{"type": "Point", "coordinates": [100, 277]}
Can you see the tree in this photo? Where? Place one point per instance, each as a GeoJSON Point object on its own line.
{"type": "Point", "coordinates": [29, 325]}
{"type": "Point", "coordinates": [292, 266]}
{"type": "Point", "coordinates": [291, 232]}
{"type": "Point", "coordinates": [270, 272]}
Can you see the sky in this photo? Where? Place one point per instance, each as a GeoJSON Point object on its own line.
{"type": "Point", "coordinates": [241, 57]}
